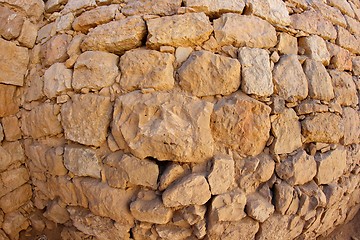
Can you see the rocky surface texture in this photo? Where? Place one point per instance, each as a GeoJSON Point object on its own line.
{"type": "Point", "coordinates": [179, 119]}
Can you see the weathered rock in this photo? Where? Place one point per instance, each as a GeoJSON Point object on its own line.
{"type": "Point", "coordinates": [289, 79]}
{"type": "Point", "coordinates": [94, 17]}
{"type": "Point", "coordinates": [356, 65]}
{"type": "Point", "coordinates": [142, 7]}
{"type": "Point", "coordinates": [91, 109]}
{"type": "Point", "coordinates": [193, 214]}
{"type": "Point", "coordinates": [352, 25]}
{"type": "Point", "coordinates": [351, 122]}
{"type": "Point", "coordinates": [340, 57]}
{"type": "Point", "coordinates": [310, 106]}
{"type": "Point", "coordinates": [283, 196]}
{"type": "Point", "coordinates": [244, 229]}
{"type": "Point", "coordinates": [54, 50]}
{"type": "Point", "coordinates": [258, 207]}
{"type": "Point", "coordinates": [178, 194]}
{"type": "Point", "coordinates": [141, 68]}
{"type": "Point", "coordinates": [33, 8]}
{"type": "Point", "coordinates": [11, 23]}
{"type": "Point", "coordinates": [287, 44]}
{"type": "Point", "coordinates": [8, 98]}
{"type": "Point", "coordinates": [11, 128]}
{"type": "Point", "coordinates": [14, 223]}
{"type": "Point", "coordinates": [331, 165]}
{"type": "Point", "coordinates": [332, 14]}
{"type": "Point", "coordinates": [95, 70]}
{"type": "Point", "coordinates": [348, 41]}
{"type": "Point", "coordinates": [170, 174]}
{"type": "Point", "coordinates": [15, 199]}
{"type": "Point", "coordinates": [241, 123]}
{"type": "Point", "coordinates": [195, 30]}
{"type": "Point", "coordinates": [239, 30]}
{"type": "Point", "coordinates": [163, 120]}
{"type": "Point", "coordinates": [2, 136]}
{"type": "Point", "coordinates": [343, 5]}
{"type": "Point", "coordinates": [13, 63]}
{"type": "Point", "coordinates": [116, 36]}
{"type": "Point", "coordinates": [173, 232]}
{"type": "Point", "coordinates": [315, 48]}
{"type": "Point", "coordinates": [126, 170]}
{"type": "Point", "coordinates": [54, 5]}
{"type": "Point", "coordinates": [228, 206]}
{"type": "Point", "coordinates": [221, 176]}
{"type": "Point", "coordinates": [56, 213]}
{"type": "Point", "coordinates": [222, 75]}
{"type": "Point", "coordinates": [216, 7]}
{"type": "Point", "coordinates": [76, 5]}
{"type": "Point", "coordinates": [41, 121]}
{"type": "Point", "coordinates": [57, 79]}
{"type": "Point", "coordinates": [256, 72]}
{"type": "Point", "coordinates": [149, 208]}
{"type": "Point", "coordinates": [313, 22]}
{"type": "Point", "coordinates": [181, 54]}
{"type": "Point", "coordinates": [12, 179]}
{"type": "Point", "coordinates": [63, 23]}
{"type": "Point", "coordinates": [115, 202]}
{"type": "Point", "coordinates": [323, 127]}
{"type": "Point", "coordinates": [344, 88]}
{"type": "Point", "coordinates": [82, 161]}
{"type": "Point", "coordinates": [287, 132]}
{"type": "Point", "coordinates": [320, 84]}
{"type": "Point", "coordinates": [11, 153]}
{"type": "Point", "coordinates": [274, 11]}
{"type": "Point", "coordinates": [54, 162]}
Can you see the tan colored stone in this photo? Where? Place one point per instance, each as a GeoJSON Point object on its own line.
{"type": "Point", "coordinates": [95, 70]}
{"type": "Point", "coordinates": [114, 202]}
{"type": "Point", "coordinates": [244, 229]}
{"type": "Point", "coordinates": [54, 50]}
{"type": "Point", "coordinates": [351, 121]}
{"type": "Point", "coordinates": [323, 127]}
{"type": "Point", "coordinates": [54, 5]}
{"type": "Point", "coordinates": [352, 25]}
{"type": "Point", "coordinates": [141, 68]}
{"type": "Point", "coordinates": [320, 85]}
{"type": "Point", "coordinates": [239, 30]}
{"type": "Point", "coordinates": [173, 232]}
{"type": "Point", "coordinates": [242, 123]}
{"type": "Point", "coordinates": [56, 213]}
{"type": "Point", "coordinates": [216, 7]}
{"type": "Point", "coordinates": [309, 106]}
{"type": "Point", "coordinates": [182, 53]}
{"type": "Point", "coordinates": [289, 79]}
{"type": "Point", "coordinates": [32, 8]}
{"type": "Point", "coordinates": [54, 162]}
{"type": "Point", "coordinates": [256, 72]}
{"type": "Point", "coordinates": [91, 109]}
{"type": "Point", "coordinates": [331, 165]}
{"type": "Point", "coordinates": [343, 6]}
{"type": "Point", "coordinates": [14, 223]}
{"type": "Point", "coordinates": [155, 7]}
{"type": "Point", "coordinates": [57, 80]}
{"type": "Point", "coordinates": [28, 34]}
{"type": "Point", "coordinates": [13, 63]}
{"type": "Point", "coordinates": [16, 152]}
{"type": "Point", "coordinates": [2, 136]}
{"type": "Point", "coordinates": [348, 41]}
{"type": "Point", "coordinates": [222, 75]}
{"type": "Point", "coordinates": [15, 199]}
{"type": "Point", "coordinates": [34, 90]}
{"type": "Point", "coordinates": [94, 17]}
{"type": "Point", "coordinates": [274, 11]}
{"type": "Point", "coordinates": [228, 206]}
{"type": "Point", "coordinates": [283, 196]}
{"type": "Point", "coordinates": [163, 120]}
{"type": "Point", "coordinates": [313, 22]}
{"type": "Point", "coordinates": [356, 65]}
{"type": "Point", "coordinates": [116, 36]}
{"type": "Point", "coordinates": [82, 161]}
{"type": "Point", "coordinates": [287, 44]}
{"type": "Point", "coordinates": [258, 207]}
{"type": "Point", "coordinates": [149, 208]}
{"type": "Point", "coordinates": [78, 5]}
{"type": "Point", "coordinates": [9, 101]}
{"type": "Point", "coordinates": [12, 179]}
{"type": "Point", "coordinates": [315, 48]}
{"type": "Point", "coordinates": [331, 13]}
{"type": "Point", "coordinates": [192, 189]}
{"type": "Point", "coordinates": [170, 174]}
{"type": "Point", "coordinates": [11, 128]}
{"type": "Point", "coordinates": [189, 29]}
{"type": "Point", "coordinates": [221, 176]}
{"type": "Point", "coordinates": [344, 88]}
{"type": "Point", "coordinates": [287, 132]}
{"type": "Point", "coordinates": [11, 23]}
{"type": "Point", "coordinates": [41, 121]}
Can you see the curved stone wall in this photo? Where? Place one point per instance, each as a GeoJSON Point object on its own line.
{"type": "Point", "coordinates": [171, 119]}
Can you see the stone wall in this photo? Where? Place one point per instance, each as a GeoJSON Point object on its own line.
{"type": "Point", "coordinates": [171, 119]}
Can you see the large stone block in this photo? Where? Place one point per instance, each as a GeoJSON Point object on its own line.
{"type": "Point", "coordinates": [15, 199]}
{"type": "Point", "coordinates": [330, 165]}
{"type": "Point", "coordinates": [221, 176]}
{"type": "Point", "coordinates": [206, 74]}
{"type": "Point", "coordinates": [315, 48]}
{"type": "Point", "coordinates": [32, 8]}
{"type": "Point", "coordinates": [9, 100]}
{"type": "Point", "coordinates": [54, 50]}
{"type": "Point", "coordinates": [156, 7]}
{"type": "Point", "coordinates": [344, 88]}
{"type": "Point", "coordinates": [351, 121]}
{"type": "Point", "coordinates": [274, 11]}
{"type": "Point", "coordinates": [164, 126]}
{"type": "Point", "coordinates": [11, 23]}
{"type": "Point", "coordinates": [57, 79]}
{"type": "Point", "coordinates": [216, 7]}
{"type": "Point", "coordinates": [12, 179]}
{"type": "Point", "coordinates": [229, 206]}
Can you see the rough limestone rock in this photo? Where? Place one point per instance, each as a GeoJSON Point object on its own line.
{"type": "Point", "coordinates": [241, 123]}
{"type": "Point", "coordinates": [240, 31]}
{"type": "Point", "coordinates": [41, 121]}
{"type": "Point", "coordinates": [222, 75]}
{"type": "Point", "coordinates": [216, 7]}
{"type": "Point", "coordinates": [56, 213]}
{"type": "Point", "coordinates": [348, 41]}
{"type": "Point", "coordinates": [94, 111]}
{"type": "Point", "coordinates": [54, 50]}
{"type": "Point", "coordinates": [313, 22]}
{"type": "Point", "coordinates": [149, 208]}
{"type": "Point", "coordinates": [286, 129]}
{"type": "Point", "coordinates": [116, 36]}
{"type": "Point", "coordinates": [323, 127]}
{"type": "Point", "coordinates": [13, 63]}
{"type": "Point", "coordinates": [289, 79]}
{"type": "Point", "coordinates": [14, 223]}
{"type": "Point", "coordinates": [258, 207]}
{"type": "Point", "coordinates": [12, 23]}
{"type": "Point", "coordinates": [11, 128]}
{"type": "Point", "coordinates": [297, 169]}
{"type": "Point", "coordinates": [315, 48]}
{"type": "Point", "coordinates": [158, 7]}
{"type": "Point", "coordinates": [242, 230]}
{"type": "Point", "coordinates": [351, 120]}
{"type": "Point", "coordinates": [57, 79]}
{"type": "Point", "coordinates": [331, 165]}
{"type": "Point", "coordinates": [82, 161]}
{"type": "Point", "coordinates": [15, 199]}
{"type": "Point", "coordinates": [76, 5]}
{"type": "Point", "coordinates": [283, 196]}
{"type": "Point", "coordinates": [171, 173]}
{"type": "Point", "coordinates": [344, 88]}
{"type": "Point", "coordinates": [32, 8]}
{"type": "Point", "coordinates": [195, 29]}
{"type": "Point", "coordinates": [287, 44]}
{"type": "Point", "coordinates": [95, 70]}
{"type": "Point", "coordinates": [228, 206]}
{"type": "Point", "coordinates": [13, 179]}
{"type": "Point", "coordinates": [274, 11]}
{"type": "Point", "coordinates": [124, 171]}
{"type": "Point", "coordinates": [177, 195]}
{"type": "Point", "coordinates": [141, 68]}
{"type": "Point", "coordinates": [150, 125]}
{"type": "Point", "coordinates": [256, 72]}
{"type": "Point", "coordinates": [320, 84]}
{"type": "Point", "coordinates": [221, 176]}
{"type": "Point", "coordinates": [172, 232]}
{"type": "Point", "coordinates": [8, 98]}
{"type": "Point", "coordinates": [310, 106]}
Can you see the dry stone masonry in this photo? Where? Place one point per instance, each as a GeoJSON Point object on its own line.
{"type": "Point", "coordinates": [179, 119]}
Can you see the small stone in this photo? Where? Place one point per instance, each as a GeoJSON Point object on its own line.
{"type": "Point", "coordinates": [11, 23]}
{"type": "Point", "coordinates": [315, 48]}
{"type": "Point", "coordinates": [222, 75]}
{"type": "Point", "coordinates": [15, 199]}
{"type": "Point", "coordinates": [351, 121]}
{"type": "Point", "coordinates": [348, 41]}
{"type": "Point", "coordinates": [34, 9]}
{"type": "Point", "coordinates": [192, 189]}
{"type": "Point", "coordinates": [274, 11]}
{"type": "Point", "coordinates": [332, 14]}
{"type": "Point", "coordinates": [221, 176]}
{"type": "Point", "coordinates": [331, 165]}
{"type": "Point", "coordinates": [78, 5]}
{"type": "Point", "coordinates": [64, 22]}
{"type": "Point", "coordinates": [11, 128]}
{"type": "Point", "coordinates": [12, 179]}
{"type": "Point", "coordinates": [258, 207]}
{"type": "Point", "coordinates": [28, 34]}
{"type": "Point", "coordinates": [57, 79]}
{"type": "Point", "coordinates": [54, 5]}
{"type": "Point", "coordinates": [2, 136]}
{"type": "Point", "coordinates": [310, 106]}
{"type": "Point", "coordinates": [56, 213]}
{"type": "Point", "coordinates": [171, 173]}
{"type": "Point", "coordinates": [142, 7]}
{"type": "Point", "coordinates": [356, 65]}
{"type": "Point", "coordinates": [182, 53]}
{"type": "Point", "coordinates": [14, 223]}
{"type": "Point", "coordinates": [287, 44]}
{"type": "Point", "coordinates": [340, 57]}
{"type": "Point", "coordinates": [343, 5]}
{"type": "Point", "coordinates": [216, 7]}
{"type": "Point", "coordinates": [283, 196]}
{"type": "Point", "coordinates": [344, 88]}
{"type": "Point", "coordinates": [228, 206]}
{"type": "Point", "coordinates": [8, 98]}
{"type": "Point", "coordinates": [173, 232]}
{"type": "Point", "coordinates": [54, 50]}
{"type": "Point", "coordinates": [167, 49]}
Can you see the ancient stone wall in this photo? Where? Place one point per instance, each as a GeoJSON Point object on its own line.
{"type": "Point", "coordinates": [179, 119]}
